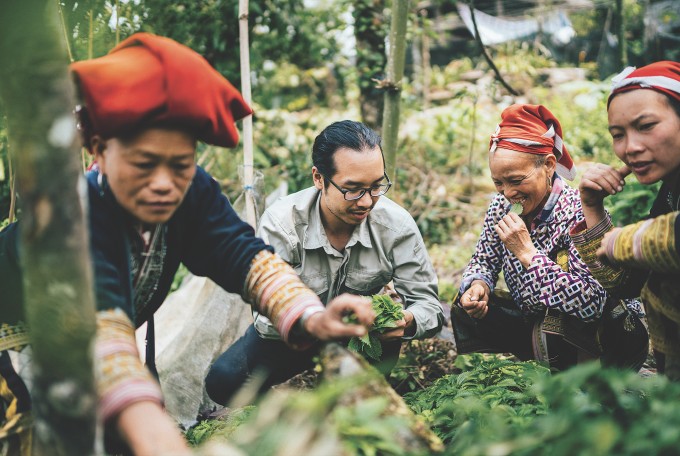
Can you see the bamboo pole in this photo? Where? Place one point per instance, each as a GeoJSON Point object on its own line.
{"type": "Point", "coordinates": [63, 28]}
{"type": "Point", "coordinates": [117, 22]}
{"type": "Point", "coordinates": [248, 171]}
{"type": "Point", "coordinates": [392, 84]}
{"type": "Point", "coordinates": [90, 36]}
{"type": "Point", "coordinates": [12, 188]}
{"type": "Point", "coordinates": [57, 277]}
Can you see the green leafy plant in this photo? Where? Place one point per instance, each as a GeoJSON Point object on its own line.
{"type": "Point", "coordinates": [491, 391]}
{"type": "Point", "coordinates": [387, 313]}
{"type": "Point", "coordinates": [218, 428]}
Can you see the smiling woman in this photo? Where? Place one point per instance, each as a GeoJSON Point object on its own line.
{"type": "Point", "coordinates": [553, 297]}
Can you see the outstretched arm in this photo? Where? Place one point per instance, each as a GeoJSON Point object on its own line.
{"type": "Point", "coordinates": [276, 291]}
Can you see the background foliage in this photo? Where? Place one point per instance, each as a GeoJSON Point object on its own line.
{"type": "Point", "coordinates": [313, 63]}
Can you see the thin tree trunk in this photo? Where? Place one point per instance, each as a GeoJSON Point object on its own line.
{"type": "Point", "coordinates": [12, 189]}
{"type": "Point", "coordinates": [369, 32]}
{"type": "Point", "coordinates": [621, 34]}
{"type": "Point", "coordinates": [248, 171]}
{"type": "Point", "coordinates": [38, 96]}
{"type": "Point", "coordinates": [427, 68]}
{"type": "Point", "coordinates": [392, 84]}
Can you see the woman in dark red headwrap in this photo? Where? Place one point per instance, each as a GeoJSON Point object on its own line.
{"type": "Point", "coordinates": [555, 305]}
{"type": "Point", "coordinates": [641, 259]}
{"type": "Point", "coordinates": [151, 208]}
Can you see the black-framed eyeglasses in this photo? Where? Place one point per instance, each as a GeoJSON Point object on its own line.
{"type": "Point", "coordinates": [357, 193]}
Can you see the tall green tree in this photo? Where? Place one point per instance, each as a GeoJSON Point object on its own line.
{"type": "Point", "coordinates": [370, 31]}
{"type": "Point", "coordinates": [393, 83]}
{"type": "Point", "coordinates": [37, 95]}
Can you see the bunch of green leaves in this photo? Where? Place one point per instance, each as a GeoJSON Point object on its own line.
{"type": "Point", "coordinates": [489, 393]}
{"type": "Point", "coordinates": [387, 313]}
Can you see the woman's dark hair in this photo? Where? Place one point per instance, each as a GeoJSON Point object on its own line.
{"type": "Point", "coordinates": [344, 134]}
{"type": "Point", "coordinates": [674, 103]}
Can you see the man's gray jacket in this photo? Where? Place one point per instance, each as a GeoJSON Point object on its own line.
{"type": "Point", "coordinates": [386, 246]}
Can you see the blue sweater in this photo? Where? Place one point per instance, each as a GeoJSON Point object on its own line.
{"type": "Point", "coordinates": [205, 234]}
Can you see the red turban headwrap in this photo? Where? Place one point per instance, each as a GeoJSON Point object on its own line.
{"type": "Point", "coordinates": [534, 130]}
{"type": "Point", "coordinates": [147, 80]}
{"type": "Point", "coordinates": [661, 76]}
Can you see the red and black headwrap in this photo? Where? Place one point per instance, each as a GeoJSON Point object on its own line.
{"type": "Point", "coordinates": [533, 129]}
{"type": "Point", "coordinates": [661, 76]}
{"type": "Point", "coordinates": [150, 80]}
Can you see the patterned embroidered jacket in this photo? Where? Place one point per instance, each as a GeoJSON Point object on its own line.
{"type": "Point", "coordinates": [544, 284]}
{"type": "Point", "coordinates": [647, 255]}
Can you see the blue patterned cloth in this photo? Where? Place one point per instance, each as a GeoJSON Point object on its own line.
{"type": "Point", "coordinates": [544, 284]}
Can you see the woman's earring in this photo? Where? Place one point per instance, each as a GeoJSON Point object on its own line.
{"type": "Point", "coordinates": [101, 183]}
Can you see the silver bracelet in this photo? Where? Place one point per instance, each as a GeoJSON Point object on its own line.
{"type": "Point", "coordinates": [305, 316]}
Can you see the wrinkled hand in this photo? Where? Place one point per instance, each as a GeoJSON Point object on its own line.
{"type": "Point", "coordinates": [329, 325]}
{"type": "Point", "coordinates": [475, 300]}
{"type": "Point", "coordinates": [514, 234]}
{"type": "Point", "coordinates": [149, 431]}
{"type": "Point", "coordinates": [600, 181]}
{"type": "Point", "coordinates": [400, 330]}
{"type": "Point", "coordinates": [606, 241]}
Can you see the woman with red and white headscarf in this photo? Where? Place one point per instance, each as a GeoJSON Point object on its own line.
{"type": "Point", "coordinates": [555, 304]}
{"type": "Point", "coordinates": [643, 258]}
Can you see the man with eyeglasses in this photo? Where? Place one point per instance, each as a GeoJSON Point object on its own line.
{"type": "Point", "coordinates": [341, 236]}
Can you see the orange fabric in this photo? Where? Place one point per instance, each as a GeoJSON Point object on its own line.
{"type": "Point", "coordinates": [527, 128]}
{"type": "Point", "coordinates": [147, 80]}
{"type": "Point", "coordinates": [663, 76]}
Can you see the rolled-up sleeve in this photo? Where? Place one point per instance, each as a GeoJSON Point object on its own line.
{"type": "Point", "coordinates": [416, 282]}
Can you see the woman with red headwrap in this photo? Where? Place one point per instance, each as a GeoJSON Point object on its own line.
{"type": "Point", "coordinates": [151, 208]}
{"type": "Point", "coordinates": [644, 258]}
{"type": "Point", "coordinates": [555, 304]}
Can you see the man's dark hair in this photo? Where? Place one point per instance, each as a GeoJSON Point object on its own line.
{"type": "Point", "coordinates": [344, 134]}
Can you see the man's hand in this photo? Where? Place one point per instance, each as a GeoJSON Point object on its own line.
{"type": "Point", "coordinates": [402, 326]}
{"type": "Point", "coordinates": [475, 301]}
{"type": "Point", "coordinates": [514, 234]}
{"type": "Point", "coordinates": [329, 325]}
{"type": "Point", "coordinates": [149, 431]}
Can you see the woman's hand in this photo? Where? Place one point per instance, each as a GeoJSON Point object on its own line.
{"type": "Point", "coordinates": [148, 430]}
{"type": "Point", "coordinates": [608, 238]}
{"type": "Point", "coordinates": [329, 325]}
{"type": "Point", "coordinates": [514, 234]}
{"type": "Point", "coordinates": [475, 300]}
{"type": "Point", "coordinates": [598, 182]}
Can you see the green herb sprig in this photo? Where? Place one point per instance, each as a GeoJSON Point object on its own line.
{"type": "Point", "coordinates": [387, 313]}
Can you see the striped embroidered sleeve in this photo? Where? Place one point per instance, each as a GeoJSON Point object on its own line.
{"type": "Point", "coordinates": [276, 291]}
{"type": "Point", "coordinates": [121, 377]}
{"type": "Point", "coordinates": [620, 282]}
{"type": "Point", "coordinates": [650, 244]}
